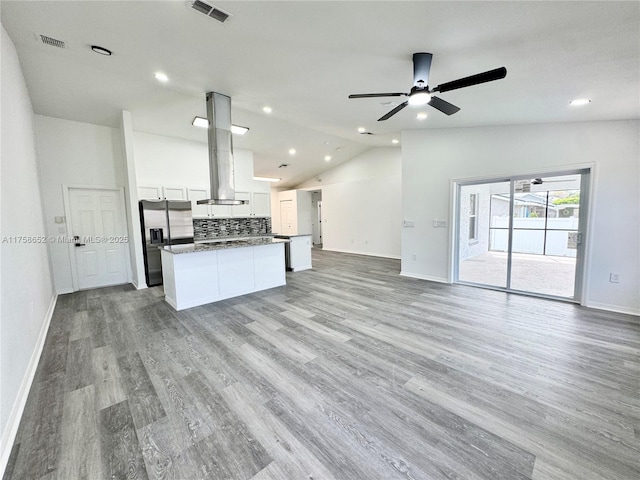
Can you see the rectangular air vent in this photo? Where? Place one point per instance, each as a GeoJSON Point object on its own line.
{"type": "Point", "coordinates": [52, 41]}
{"type": "Point", "coordinates": [210, 10]}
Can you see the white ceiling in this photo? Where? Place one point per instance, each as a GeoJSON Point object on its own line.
{"type": "Point", "coordinates": [304, 59]}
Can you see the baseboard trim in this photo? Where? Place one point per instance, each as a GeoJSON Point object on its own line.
{"type": "Point", "coordinates": [13, 422]}
{"type": "Point", "coordinates": [424, 277]}
{"type": "Point", "coordinates": [299, 269]}
{"type": "Point", "coordinates": [64, 291]}
{"type": "Point", "coordinates": [138, 287]}
{"type": "Point", "coordinates": [613, 308]}
{"type": "Point", "coordinates": [368, 254]}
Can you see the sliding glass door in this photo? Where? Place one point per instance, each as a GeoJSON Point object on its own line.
{"type": "Point", "coordinates": [522, 234]}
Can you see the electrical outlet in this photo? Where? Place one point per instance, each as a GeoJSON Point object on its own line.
{"type": "Point", "coordinates": [614, 277]}
{"type": "Point", "coordinates": [413, 256]}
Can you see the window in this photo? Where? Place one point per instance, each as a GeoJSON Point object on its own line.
{"type": "Point", "coordinates": [473, 216]}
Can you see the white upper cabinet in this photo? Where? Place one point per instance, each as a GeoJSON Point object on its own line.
{"type": "Point", "coordinates": [194, 195]}
{"type": "Point", "coordinates": [149, 192]}
{"type": "Point", "coordinates": [242, 210]}
{"type": "Point", "coordinates": [261, 204]}
{"type": "Point", "coordinates": [175, 193]}
{"type": "Point", "coordinates": [178, 169]}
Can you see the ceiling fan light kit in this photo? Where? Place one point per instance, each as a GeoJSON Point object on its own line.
{"type": "Point", "coordinates": [420, 94]}
{"type": "Point", "coordinates": [419, 98]}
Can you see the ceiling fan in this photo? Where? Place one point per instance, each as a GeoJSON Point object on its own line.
{"type": "Point", "coordinates": [421, 94]}
{"type": "Point", "coordinates": [539, 181]}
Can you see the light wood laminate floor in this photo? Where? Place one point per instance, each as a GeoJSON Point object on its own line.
{"type": "Point", "coordinates": [348, 372]}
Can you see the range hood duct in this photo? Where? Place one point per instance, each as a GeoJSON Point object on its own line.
{"type": "Point", "coordinates": [221, 175]}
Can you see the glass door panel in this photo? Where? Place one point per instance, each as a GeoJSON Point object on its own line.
{"type": "Point", "coordinates": [545, 236]}
{"type": "Point", "coordinates": [483, 233]}
{"type": "Point", "coordinates": [523, 234]}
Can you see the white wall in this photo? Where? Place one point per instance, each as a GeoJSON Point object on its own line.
{"type": "Point", "coordinates": [26, 287]}
{"type": "Point", "coordinates": [171, 161]}
{"type": "Point", "coordinates": [361, 204]}
{"type": "Point", "coordinates": [73, 154]}
{"type": "Point", "coordinates": [432, 158]}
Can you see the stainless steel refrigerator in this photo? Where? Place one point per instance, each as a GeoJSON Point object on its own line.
{"type": "Point", "coordinates": [163, 222]}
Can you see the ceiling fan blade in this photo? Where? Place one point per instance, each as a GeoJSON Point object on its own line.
{"type": "Point", "coordinates": [372, 95]}
{"type": "Point", "coordinates": [484, 77]}
{"type": "Point", "coordinates": [443, 106]}
{"type": "Point", "coordinates": [393, 112]}
{"type": "Point", "coordinates": [421, 68]}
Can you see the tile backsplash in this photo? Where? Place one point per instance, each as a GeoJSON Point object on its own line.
{"type": "Point", "coordinates": [211, 228]}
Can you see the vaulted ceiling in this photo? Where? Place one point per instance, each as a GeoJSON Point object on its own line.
{"type": "Point", "coordinates": [304, 58]}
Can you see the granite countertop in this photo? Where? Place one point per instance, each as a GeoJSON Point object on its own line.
{"type": "Point", "coordinates": [277, 235]}
{"type": "Point", "coordinates": [222, 244]}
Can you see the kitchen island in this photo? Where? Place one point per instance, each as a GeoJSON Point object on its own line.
{"type": "Point", "coordinates": [199, 273]}
{"type": "Point", "coordinates": [297, 251]}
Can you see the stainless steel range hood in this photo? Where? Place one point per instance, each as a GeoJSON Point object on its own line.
{"type": "Point", "coordinates": [221, 175]}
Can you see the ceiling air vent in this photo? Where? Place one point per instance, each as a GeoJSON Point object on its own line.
{"type": "Point", "coordinates": [210, 10]}
{"type": "Point", "coordinates": [52, 41]}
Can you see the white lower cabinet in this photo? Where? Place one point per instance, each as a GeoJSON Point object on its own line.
{"type": "Point", "coordinates": [192, 279]}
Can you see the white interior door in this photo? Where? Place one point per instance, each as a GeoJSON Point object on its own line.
{"type": "Point", "coordinates": [99, 228]}
{"type": "Point", "coordinates": [287, 217]}
{"type": "Point", "coordinates": [319, 223]}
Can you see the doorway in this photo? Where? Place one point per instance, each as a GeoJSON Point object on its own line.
{"type": "Point", "coordinates": [523, 234]}
{"type": "Point", "coordinates": [316, 218]}
{"type": "Point", "coordinates": [100, 240]}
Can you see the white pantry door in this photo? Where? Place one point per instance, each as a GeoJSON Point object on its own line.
{"type": "Point", "coordinates": [286, 217]}
{"type": "Point", "coordinates": [100, 233]}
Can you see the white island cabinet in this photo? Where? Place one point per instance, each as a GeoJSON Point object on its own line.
{"type": "Point", "coordinates": [196, 274]}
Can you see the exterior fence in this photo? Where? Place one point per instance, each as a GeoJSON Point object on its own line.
{"type": "Point", "coordinates": [530, 236]}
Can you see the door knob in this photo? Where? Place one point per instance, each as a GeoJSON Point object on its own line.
{"type": "Point", "coordinates": [76, 239]}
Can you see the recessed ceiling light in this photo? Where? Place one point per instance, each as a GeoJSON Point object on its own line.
{"type": "Point", "coordinates": [200, 122]}
{"type": "Point", "coordinates": [395, 140]}
{"type": "Point", "coordinates": [327, 158]}
{"type": "Point", "coordinates": [238, 130]}
{"type": "Point", "coordinates": [292, 151]}
{"type": "Point", "coordinates": [580, 101]}
{"type": "Point", "coordinates": [267, 179]}
{"type": "Point", "coordinates": [267, 109]}
{"type": "Point", "coordinates": [101, 50]}
{"type": "Point", "coordinates": [421, 115]}
{"type": "Point", "coordinates": [361, 129]}
{"type": "Point", "coordinates": [161, 77]}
